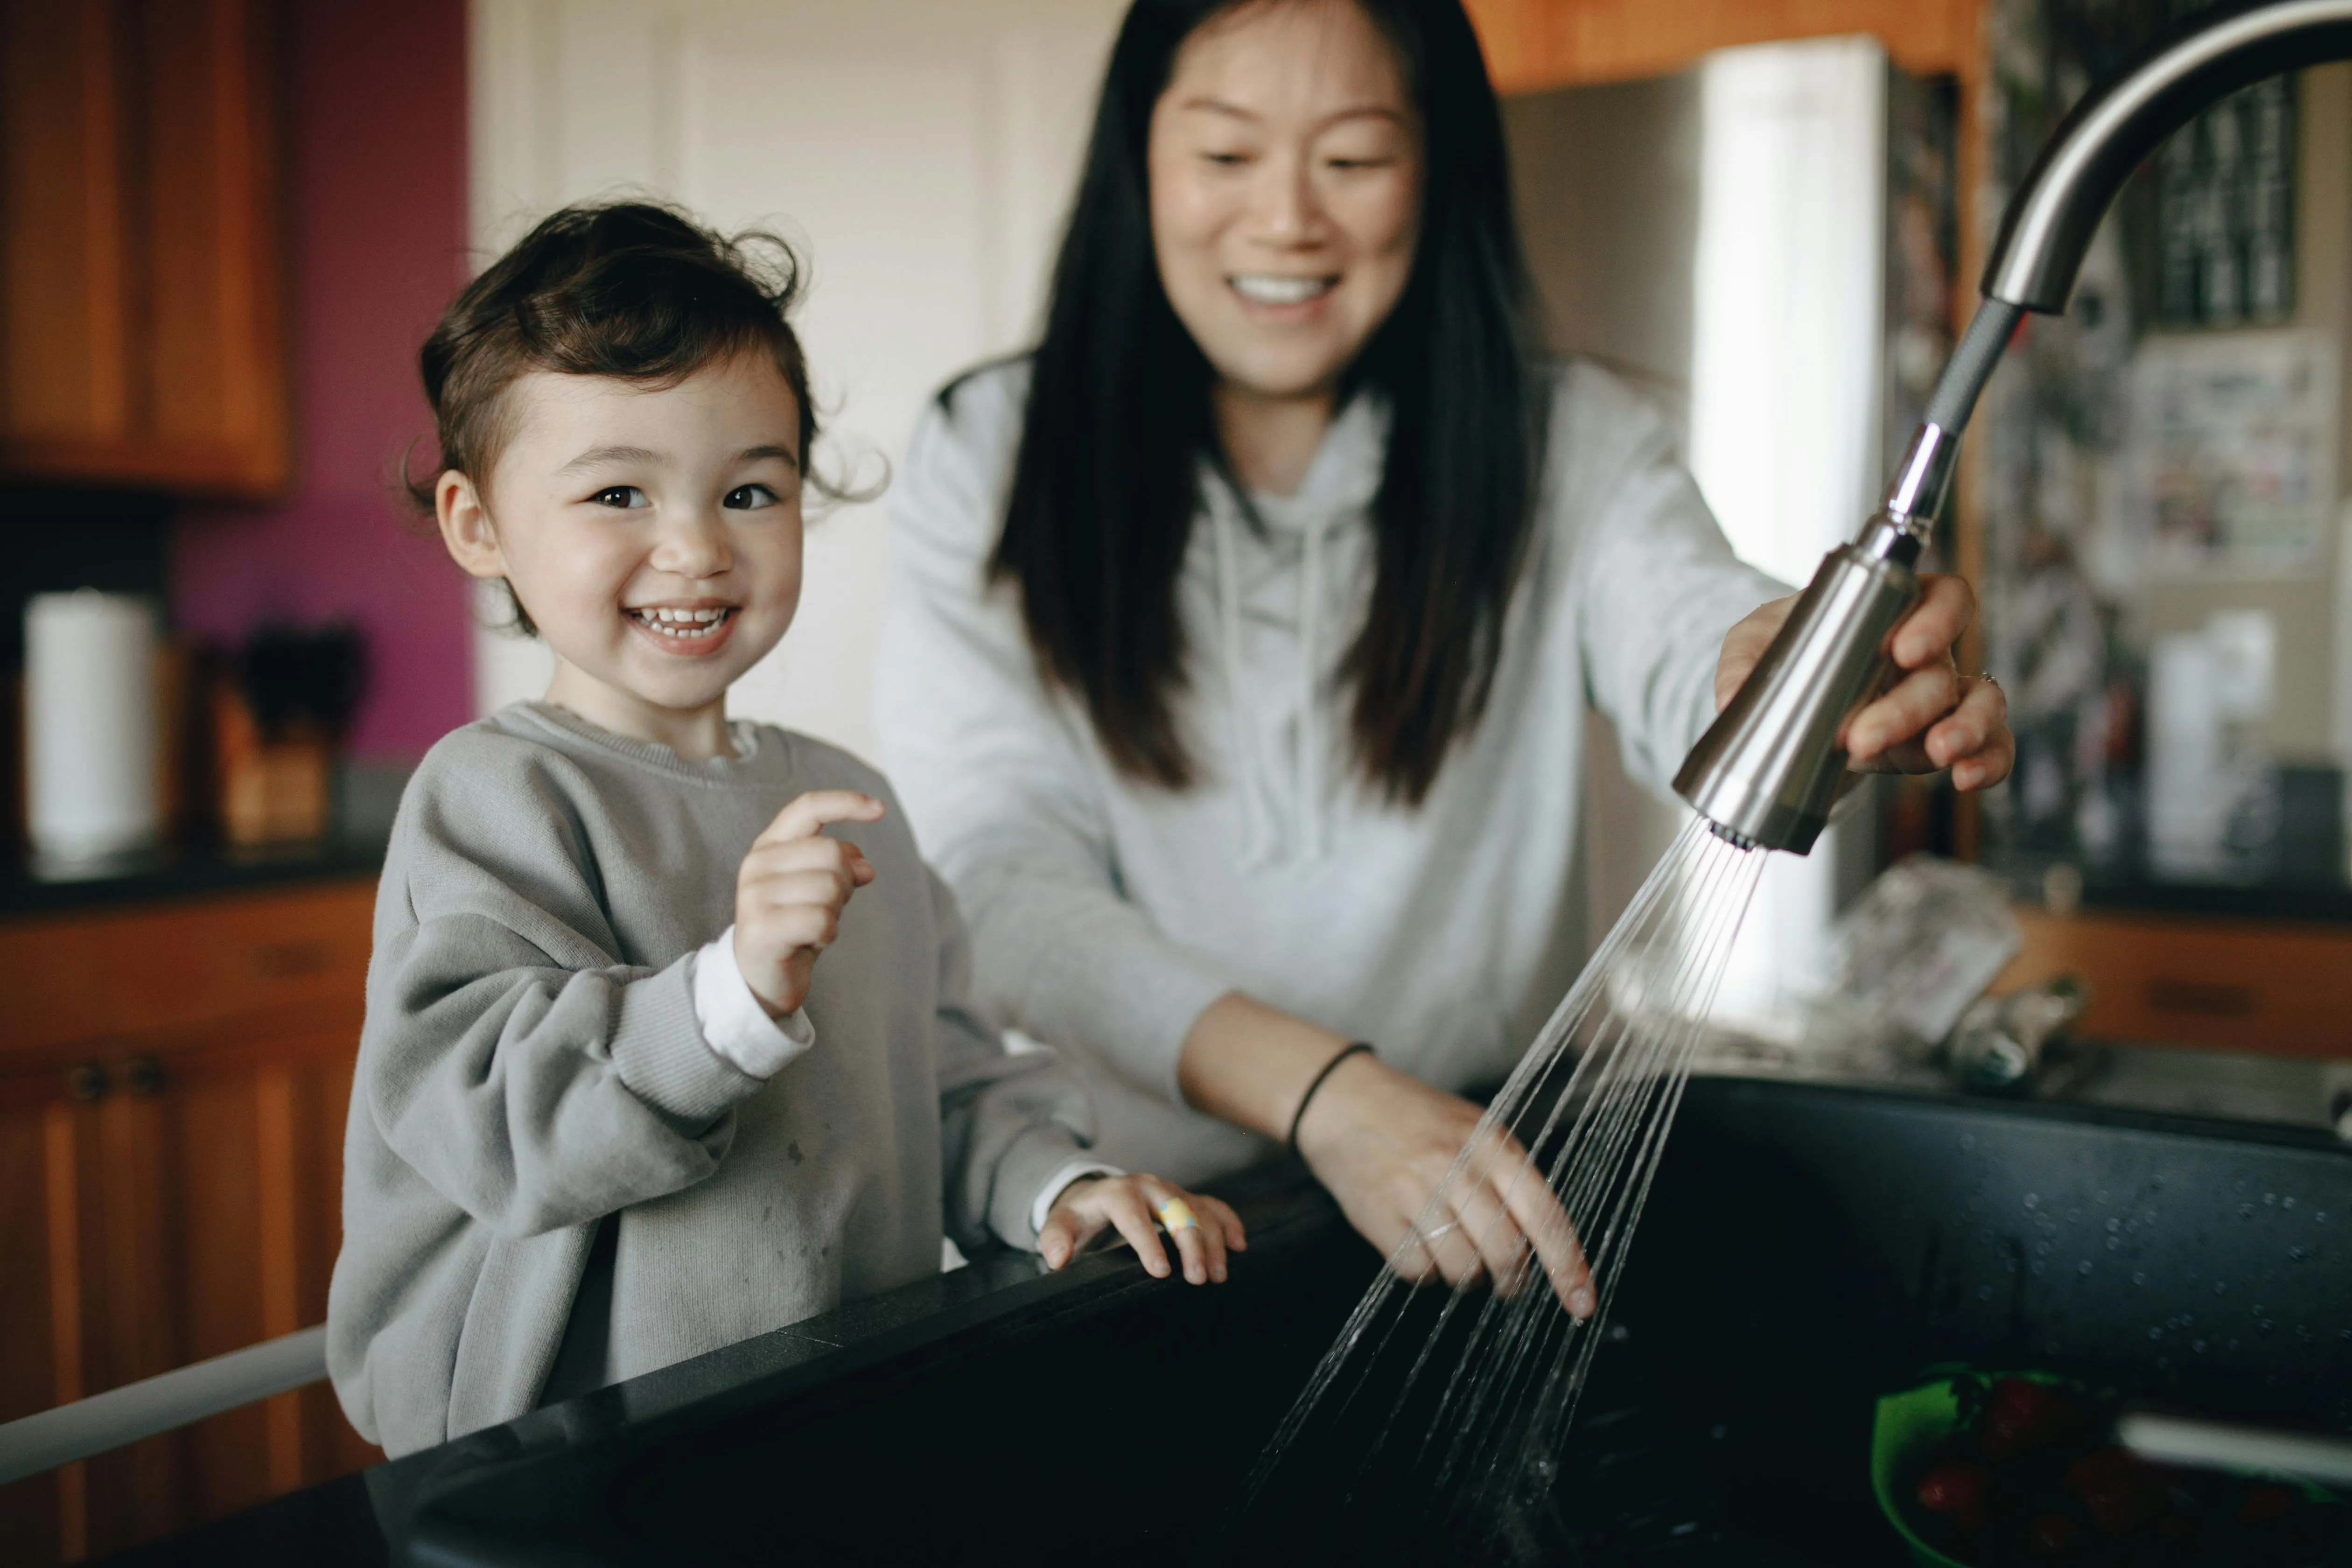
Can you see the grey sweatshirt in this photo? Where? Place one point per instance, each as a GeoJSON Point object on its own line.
{"type": "Point", "coordinates": [532, 1063]}
{"type": "Point", "coordinates": [1106, 914]}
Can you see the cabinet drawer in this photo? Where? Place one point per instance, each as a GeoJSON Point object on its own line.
{"type": "Point", "coordinates": [84, 977]}
{"type": "Point", "coordinates": [2222, 984]}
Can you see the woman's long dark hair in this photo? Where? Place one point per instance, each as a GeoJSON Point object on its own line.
{"type": "Point", "coordinates": [1104, 489]}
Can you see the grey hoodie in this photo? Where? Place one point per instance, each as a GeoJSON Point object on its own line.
{"type": "Point", "coordinates": [1107, 915]}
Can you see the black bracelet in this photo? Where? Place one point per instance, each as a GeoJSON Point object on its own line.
{"type": "Point", "coordinates": [1307, 1098]}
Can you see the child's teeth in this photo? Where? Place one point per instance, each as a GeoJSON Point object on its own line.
{"type": "Point", "coordinates": [682, 623]}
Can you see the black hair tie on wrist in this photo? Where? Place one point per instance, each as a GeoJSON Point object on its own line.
{"type": "Point", "coordinates": [1299, 1115]}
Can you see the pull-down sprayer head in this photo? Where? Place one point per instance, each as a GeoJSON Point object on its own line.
{"type": "Point", "coordinates": [1766, 772]}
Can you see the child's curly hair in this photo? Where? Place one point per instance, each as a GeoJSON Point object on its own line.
{"type": "Point", "coordinates": [630, 289]}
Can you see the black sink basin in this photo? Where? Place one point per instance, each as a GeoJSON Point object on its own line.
{"type": "Point", "coordinates": [1806, 1248]}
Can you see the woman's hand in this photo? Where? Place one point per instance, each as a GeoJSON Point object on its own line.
{"type": "Point", "coordinates": [1133, 1204]}
{"type": "Point", "coordinates": [1384, 1143]}
{"type": "Point", "coordinates": [1933, 717]}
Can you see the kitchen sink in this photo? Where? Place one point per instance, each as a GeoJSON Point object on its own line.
{"type": "Point", "coordinates": [1808, 1248]}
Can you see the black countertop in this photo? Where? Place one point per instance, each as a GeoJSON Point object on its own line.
{"type": "Point", "coordinates": [168, 874]}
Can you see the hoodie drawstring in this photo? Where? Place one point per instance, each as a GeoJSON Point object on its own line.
{"type": "Point", "coordinates": [1310, 707]}
{"type": "Point", "coordinates": [1257, 833]}
{"type": "Point", "coordinates": [1229, 649]}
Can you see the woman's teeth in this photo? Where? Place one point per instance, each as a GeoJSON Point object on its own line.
{"type": "Point", "coordinates": [683, 623]}
{"type": "Point", "coordinates": [1260, 288]}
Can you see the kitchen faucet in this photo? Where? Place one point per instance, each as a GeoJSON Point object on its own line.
{"type": "Point", "coordinates": [1767, 770]}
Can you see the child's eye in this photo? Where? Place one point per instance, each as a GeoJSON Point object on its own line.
{"type": "Point", "coordinates": [750, 497]}
{"type": "Point", "coordinates": [626, 496]}
{"type": "Point", "coordinates": [1226, 160]}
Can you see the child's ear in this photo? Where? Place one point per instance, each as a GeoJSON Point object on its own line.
{"type": "Point", "coordinates": [466, 525]}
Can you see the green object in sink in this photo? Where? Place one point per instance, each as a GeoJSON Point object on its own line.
{"type": "Point", "coordinates": [1908, 1426]}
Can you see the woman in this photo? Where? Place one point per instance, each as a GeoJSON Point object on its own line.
{"type": "Point", "coordinates": [1236, 681]}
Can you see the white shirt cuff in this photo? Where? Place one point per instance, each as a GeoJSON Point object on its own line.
{"type": "Point", "coordinates": [733, 1021]}
{"type": "Point", "coordinates": [1060, 1180]}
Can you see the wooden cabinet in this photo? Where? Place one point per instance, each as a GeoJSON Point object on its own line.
{"type": "Point", "coordinates": [1535, 44]}
{"type": "Point", "coordinates": [142, 313]}
{"type": "Point", "coordinates": [2274, 986]}
{"type": "Point", "coordinates": [172, 1089]}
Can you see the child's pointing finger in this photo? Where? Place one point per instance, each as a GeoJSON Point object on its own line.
{"type": "Point", "coordinates": [817, 809]}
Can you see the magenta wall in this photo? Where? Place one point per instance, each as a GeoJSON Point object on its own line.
{"type": "Point", "coordinates": [376, 133]}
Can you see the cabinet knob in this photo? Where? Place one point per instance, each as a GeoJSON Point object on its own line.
{"type": "Point", "coordinates": [143, 1075]}
{"type": "Point", "coordinates": [86, 1081]}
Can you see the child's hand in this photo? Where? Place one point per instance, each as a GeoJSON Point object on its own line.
{"type": "Point", "coordinates": [790, 891]}
{"type": "Point", "coordinates": [1133, 1204]}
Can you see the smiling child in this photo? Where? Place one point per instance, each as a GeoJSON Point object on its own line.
{"type": "Point", "coordinates": [611, 1111]}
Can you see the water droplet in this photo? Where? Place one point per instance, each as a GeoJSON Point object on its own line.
{"type": "Point", "coordinates": [2113, 1226]}
{"type": "Point", "coordinates": [2319, 1218]}
{"type": "Point", "coordinates": [2033, 1200]}
{"type": "Point", "coordinates": [2139, 1277]}
{"type": "Point", "coordinates": [2115, 1244]}
{"type": "Point", "coordinates": [2042, 1249]}
{"type": "Point", "coordinates": [2270, 1200]}
{"type": "Point", "coordinates": [2040, 1268]}
{"type": "Point", "coordinates": [2155, 1333]}
{"type": "Point", "coordinates": [2082, 1268]}
{"type": "Point", "coordinates": [2299, 1253]}
{"type": "Point", "coordinates": [2198, 1345]}
{"type": "Point", "coordinates": [1968, 1140]}
{"type": "Point", "coordinates": [2245, 1211]}
{"type": "Point", "coordinates": [2287, 1202]}
{"type": "Point", "coordinates": [1984, 1293]}
{"type": "Point", "coordinates": [2265, 1326]}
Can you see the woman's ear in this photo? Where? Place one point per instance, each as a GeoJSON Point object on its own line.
{"type": "Point", "coordinates": [466, 525]}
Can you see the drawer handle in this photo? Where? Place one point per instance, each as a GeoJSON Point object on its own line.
{"type": "Point", "coordinates": [292, 960]}
{"type": "Point", "coordinates": [86, 1081]}
{"type": "Point", "coordinates": [143, 1075]}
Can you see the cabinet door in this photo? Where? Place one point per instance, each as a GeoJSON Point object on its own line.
{"type": "Point", "coordinates": [49, 1241]}
{"type": "Point", "coordinates": [169, 1199]}
{"type": "Point", "coordinates": [141, 294]}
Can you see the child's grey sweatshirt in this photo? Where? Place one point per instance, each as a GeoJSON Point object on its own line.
{"type": "Point", "coordinates": [533, 1062]}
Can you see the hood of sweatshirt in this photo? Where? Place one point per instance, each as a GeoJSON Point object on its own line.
{"type": "Point", "coordinates": [1283, 580]}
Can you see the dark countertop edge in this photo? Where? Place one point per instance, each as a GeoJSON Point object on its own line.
{"type": "Point", "coordinates": [2328, 905]}
{"type": "Point", "coordinates": [1001, 1298]}
{"type": "Point", "coordinates": [195, 874]}
{"type": "Point", "coordinates": [2155, 1123]}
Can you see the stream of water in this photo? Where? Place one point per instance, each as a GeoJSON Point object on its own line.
{"type": "Point", "coordinates": [1441, 1414]}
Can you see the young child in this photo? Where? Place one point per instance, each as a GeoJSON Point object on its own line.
{"type": "Point", "coordinates": [610, 1109]}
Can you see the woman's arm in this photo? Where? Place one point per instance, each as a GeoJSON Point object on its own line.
{"type": "Point", "coordinates": [1384, 1144]}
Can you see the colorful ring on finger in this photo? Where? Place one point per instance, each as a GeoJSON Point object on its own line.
{"type": "Point", "coordinates": [1177, 1214]}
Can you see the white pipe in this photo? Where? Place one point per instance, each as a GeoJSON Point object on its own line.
{"type": "Point", "coordinates": [36, 1443]}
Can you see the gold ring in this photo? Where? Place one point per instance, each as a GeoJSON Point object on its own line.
{"type": "Point", "coordinates": [1177, 1214]}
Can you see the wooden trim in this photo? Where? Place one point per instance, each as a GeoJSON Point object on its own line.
{"type": "Point", "coordinates": [2252, 986]}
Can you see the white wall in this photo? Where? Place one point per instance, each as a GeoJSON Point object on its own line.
{"type": "Point", "coordinates": [921, 151]}
{"type": "Point", "coordinates": [1788, 325]}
